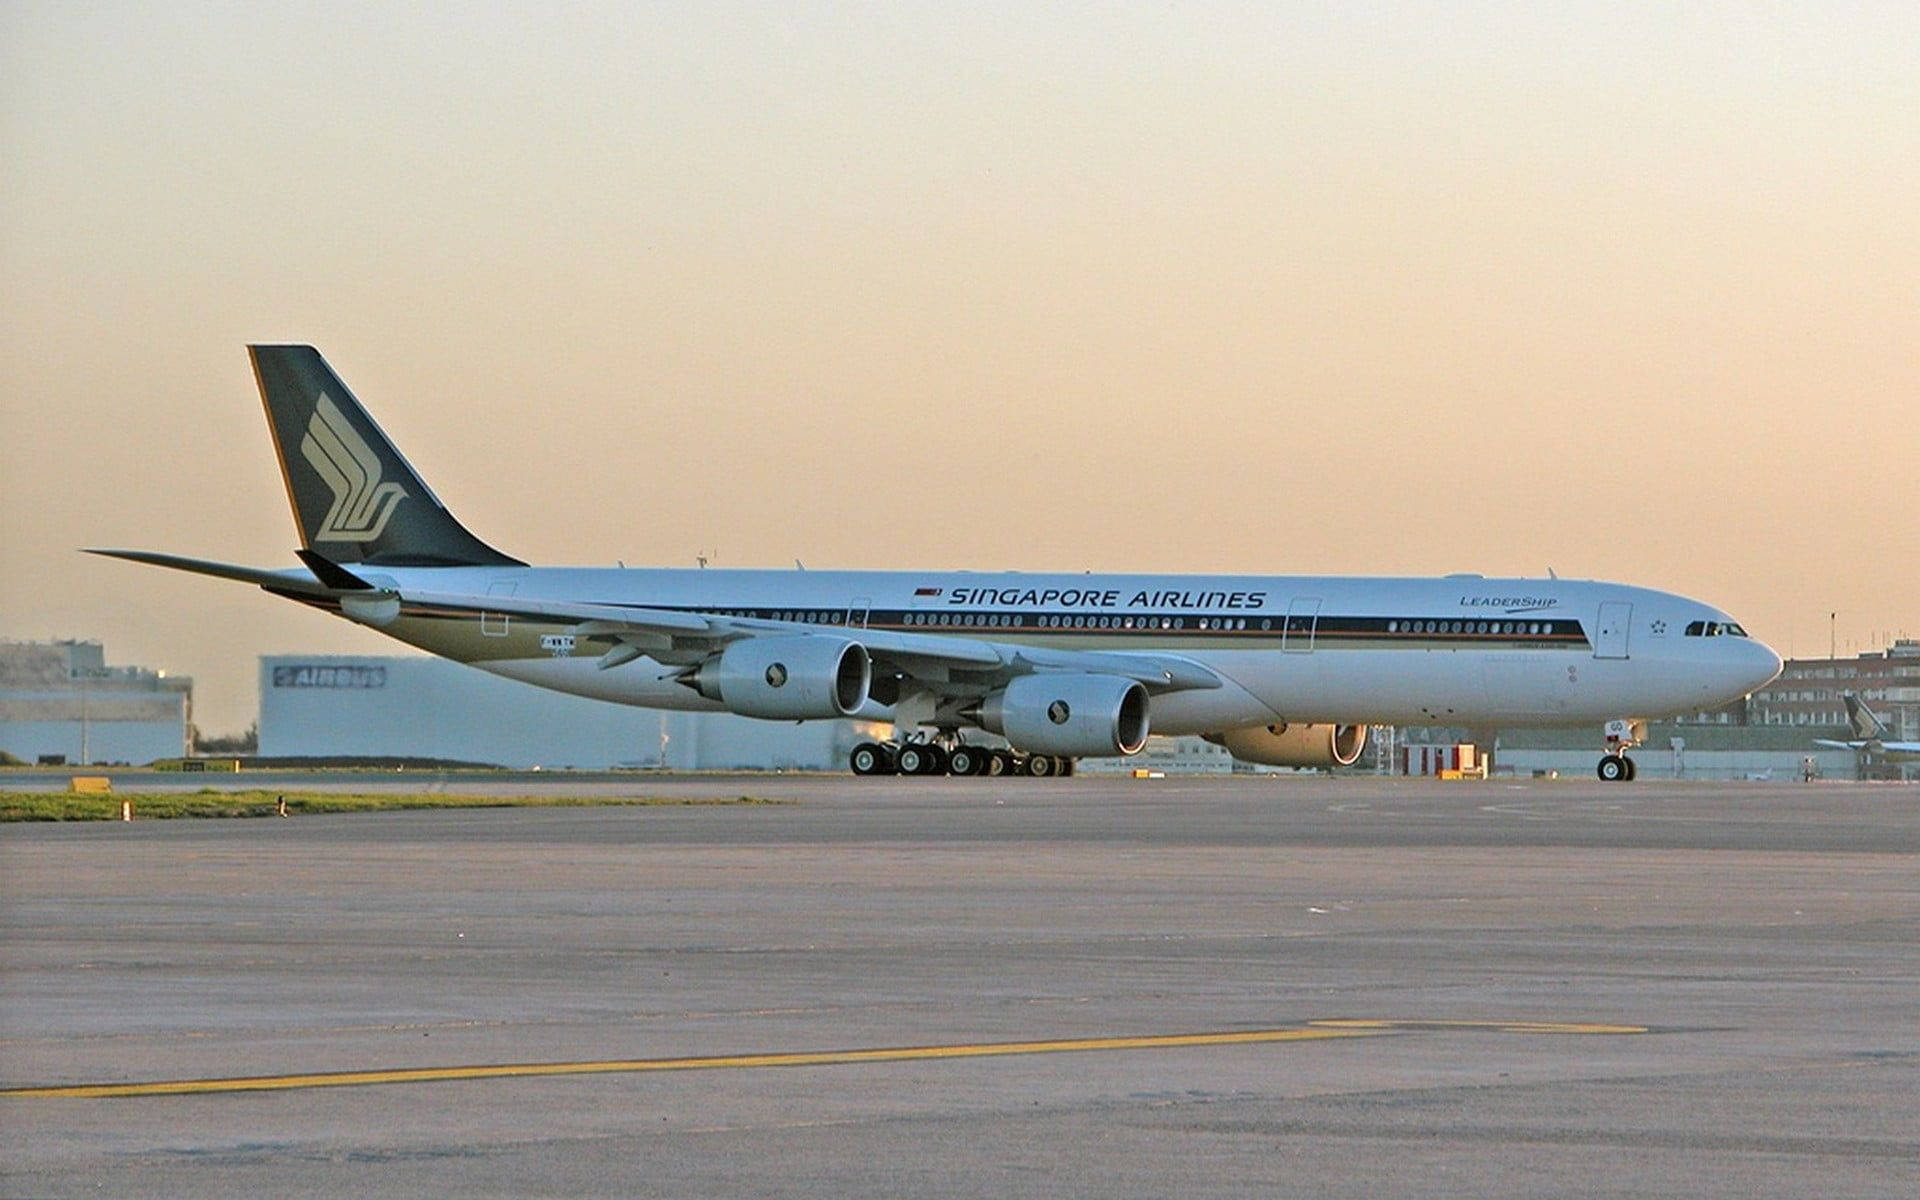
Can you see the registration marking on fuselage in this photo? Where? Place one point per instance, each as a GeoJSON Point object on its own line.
{"type": "Point", "coordinates": [1325, 1030]}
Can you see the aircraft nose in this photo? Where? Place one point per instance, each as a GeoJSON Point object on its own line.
{"type": "Point", "coordinates": [1760, 665]}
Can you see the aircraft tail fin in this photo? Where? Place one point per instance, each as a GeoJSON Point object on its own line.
{"type": "Point", "coordinates": [1866, 726]}
{"type": "Point", "coordinates": [355, 499]}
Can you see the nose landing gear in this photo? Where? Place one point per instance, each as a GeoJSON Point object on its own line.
{"type": "Point", "coordinates": [1615, 766]}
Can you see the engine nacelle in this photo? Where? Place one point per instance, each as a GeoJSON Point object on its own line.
{"type": "Point", "coordinates": [1071, 715]}
{"type": "Point", "coordinates": [787, 678]}
{"type": "Point", "coordinates": [1295, 745]}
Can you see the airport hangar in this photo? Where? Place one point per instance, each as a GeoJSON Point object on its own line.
{"type": "Point", "coordinates": [414, 706]}
{"type": "Point", "coordinates": [61, 702]}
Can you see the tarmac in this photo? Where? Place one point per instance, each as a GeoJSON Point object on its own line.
{"type": "Point", "coordinates": [1198, 987]}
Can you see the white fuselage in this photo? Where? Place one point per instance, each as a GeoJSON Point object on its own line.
{"type": "Point", "coordinates": [1458, 650]}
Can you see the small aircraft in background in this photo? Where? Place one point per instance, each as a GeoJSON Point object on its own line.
{"type": "Point", "coordinates": [1870, 734]}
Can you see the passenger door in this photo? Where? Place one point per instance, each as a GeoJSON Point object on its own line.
{"type": "Point", "coordinates": [1610, 632]}
{"type": "Point", "coordinates": [1303, 620]}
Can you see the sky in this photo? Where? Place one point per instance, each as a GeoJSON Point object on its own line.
{"type": "Point", "coordinates": [1623, 291]}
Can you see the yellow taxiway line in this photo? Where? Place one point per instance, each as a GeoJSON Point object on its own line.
{"type": "Point", "coordinates": [1314, 1031]}
{"type": "Point", "coordinates": [1574, 1027]}
{"type": "Point", "coordinates": [810, 1058]}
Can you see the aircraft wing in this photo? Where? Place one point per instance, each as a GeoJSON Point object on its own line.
{"type": "Point", "coordinates": [677, 637]}
{"type": "Point", "coordinates": [948, 665]}
{"type": "Point", "coordinates": [1833, 745]}
{"type": "Point", "coordinates": [609, 619]}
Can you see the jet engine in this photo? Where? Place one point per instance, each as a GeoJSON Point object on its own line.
{"type": "Point", "coordinates": [1069, 715]}
{"type": "Point", "coordinates": [787, 678]}
{"type": "Point", "coordinates": [1295, 745]}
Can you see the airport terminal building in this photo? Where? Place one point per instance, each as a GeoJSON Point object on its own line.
{"type": "Point", "coordinates": [61, 702]}
{"type": "Point", "coordinates": [411, 706]}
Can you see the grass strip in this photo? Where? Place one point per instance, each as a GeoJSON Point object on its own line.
{"type": "Point", "coordinates": [214, 802]}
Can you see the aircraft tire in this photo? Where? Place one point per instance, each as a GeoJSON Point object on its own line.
{"type": "Point", "coordinates": [999, 762]}
{"type": "Point", "coordinates": [966, 760]}
{"type": "Point", "coordinates": [1633, 768]}
{"type": "Point", "coordinates": [1612, 769]}
{"type": "Point", "coordinates": [870, 758]}
{"type": "Point", "coordinates": [1040, 766]}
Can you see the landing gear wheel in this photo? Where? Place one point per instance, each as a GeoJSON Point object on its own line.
{"type": "Point", "coordinates": [1063, 767]}
{"type": "Point", "coordinates": [870, 758]}
{"type": "Point", "coordinates": [1632, 770]}
{"type": "Point", "coordinates": [1040, 766]}
{"type": "Point", "coordinates": [999, 762]}
{"type": "Point", "coordinates": [966, 760]}
{"type": "Point", "coordinates": [1614, 768]}
{"type": "Point", "coordinates": [922, 758]}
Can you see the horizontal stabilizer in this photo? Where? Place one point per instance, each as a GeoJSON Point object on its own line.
{"type": "Point", "coordinates": [284, 581]}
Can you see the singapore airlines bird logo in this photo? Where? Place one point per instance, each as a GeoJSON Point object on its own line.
{"type": "Point", "coordinates": [361, 503]}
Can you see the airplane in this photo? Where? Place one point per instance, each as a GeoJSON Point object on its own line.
{"type": "Point", "coordinates": [1870, 734]}
{"type": "Point", "coordinates": [1281, 670]}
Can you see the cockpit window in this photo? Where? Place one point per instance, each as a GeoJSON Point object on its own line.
{"type": "Point", "coordinates": [1714, 629]}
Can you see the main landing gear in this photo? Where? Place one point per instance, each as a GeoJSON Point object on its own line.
{"type": "Point", "coordinates": [1615, 766]}
{"type": "Point", "coordinates": [953, 758]}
